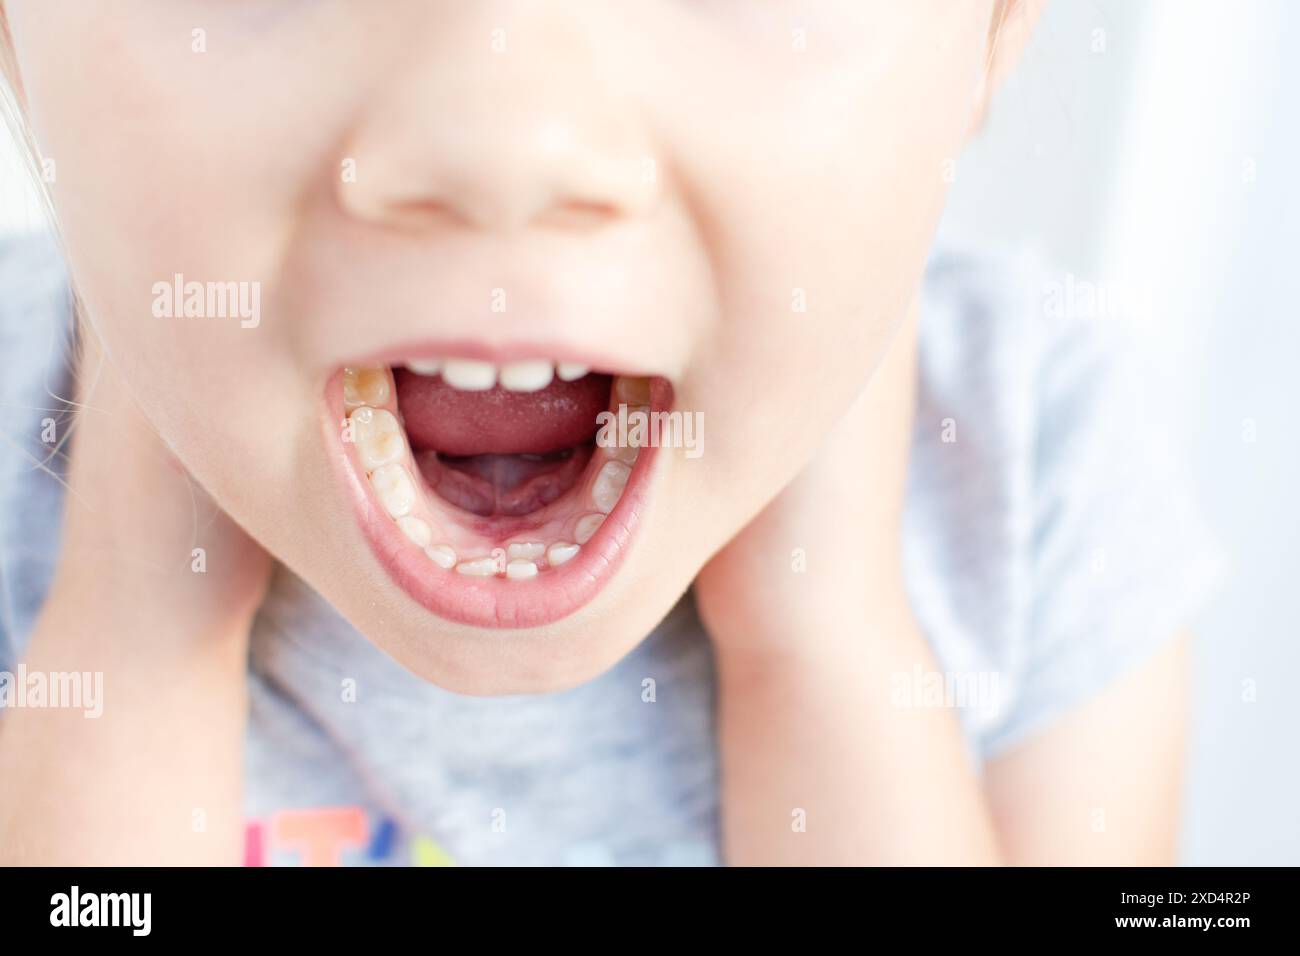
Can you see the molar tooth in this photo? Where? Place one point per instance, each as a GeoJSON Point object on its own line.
{"type": "Point", "coordinates": [638, 413]}
{"type": "Point", "coordinates": [530, 375]}
{"type": "Point", "coordinates": [632, 389]}
{"type": "Point", "coordinates": [609, 485]}
{"type": "Point", "coordinates": [424, 366]}
{"type": "Point", "coordinates": [586, 527]}
{"type": "Point", "coordinates": [377, 436]}
{"type": "Point", "coordinates": [560, 552]}
{"type": "Point", "coordinates": [442, 555]}
{"type": "Point", "coordinates": [365, 386]}
{"type": "Point", "coordinates": [417, 530]}
{"type": "Point", "coordinates": [570, 371]}
{"type": "Point", "coordinates": [394, 489]}
{"type": "Point", "coordinates": [627, 454]}
{"type": "Point", "coordinates": [525, 550]}
{"type": "Point", "coordinates": [478, 567]}
{"type": "Point", "coordinates": [521, 570]}
{"type": "Point", "coordinates": [469, 375]}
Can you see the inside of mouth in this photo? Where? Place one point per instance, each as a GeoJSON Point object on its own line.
{"type": "Point", "coordinates": [509, 485]}
{"type": "Point", "coordinates": [498, 452]}
{"type": "Point", "coordinates": [505, 476]}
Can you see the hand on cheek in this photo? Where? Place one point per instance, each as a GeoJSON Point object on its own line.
{"type": "Point", "coordinates": [822, 561]}
{"type": "Point", "coordinates": [139, 534]}
{"type": "Point", "coordinates": [154, 595]}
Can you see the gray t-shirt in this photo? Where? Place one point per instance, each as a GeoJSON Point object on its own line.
{"type": "Point", "coordinates": [1051, 544]}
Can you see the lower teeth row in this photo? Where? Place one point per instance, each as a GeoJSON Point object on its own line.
{"type": "Point", "coordinates": [382, 451]}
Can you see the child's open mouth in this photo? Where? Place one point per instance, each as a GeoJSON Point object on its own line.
{"type": "Point", "coordinates": [483, 487]}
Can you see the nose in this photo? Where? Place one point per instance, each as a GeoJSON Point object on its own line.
{"type": "Point", "coordinates": [498, 136]}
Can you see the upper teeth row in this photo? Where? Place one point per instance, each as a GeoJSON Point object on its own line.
{"type": "Point", "coordinates": [472, 375]}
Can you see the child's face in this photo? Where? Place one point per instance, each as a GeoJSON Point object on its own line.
{"type": "Point", "coordinates": [734, 197]}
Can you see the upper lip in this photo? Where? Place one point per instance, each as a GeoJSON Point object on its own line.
{"type": "Point", "coordinates": [504, 351]}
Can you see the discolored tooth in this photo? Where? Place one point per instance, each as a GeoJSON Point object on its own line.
{"type": "Point", "coordinates": [394, 489]}
{"type": "Point", "coordinates": [560, 552]}
{"type": "Point", "coordinates": [442, 555]}
{"type": "Point", "coordinates": [625, 453]}
{"type": "Point", "coordinates": [377, 435]}
{"type": "Point", "coordinates": [521, 570]}
{"type": "Point", "coordinates": [638, 425]}
{"type": "Point", "coordinates": [418, 531]}
{"type": "Point", "coordinates": [637, 413]}
{"type": "Point", "coordinates": [365, 386]}
{"type": "Point", "coordinates": [609, 485]}
{"type": "Point", "coordinates": [478, 567]}
{"type": "Point", "coordinates": [586, 527]}
{"type": "Point", "coordinates": [424, 366]}
{"type": "Point", "coordinates": [469, 375]}
{"type": "Point", "coordinates": [632, 389]}
{"type": "Point", "coordinates": [570, 371]}
{"type": "Point", "coordinates": [531, 375]}
{"type": "Point", "coordinates": [525, 550]}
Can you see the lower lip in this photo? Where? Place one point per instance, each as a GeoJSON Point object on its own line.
{"type": "Point", "coordinates": [491, 602]}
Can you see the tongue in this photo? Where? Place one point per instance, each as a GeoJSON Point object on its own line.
{"type": "Point", "coordinates": [512, 485]}
{"type": "Point", "coordinates": [499, 422]}
{"type": "Point", "coordinates": [499, 452]}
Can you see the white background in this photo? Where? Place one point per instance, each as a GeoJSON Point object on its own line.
{"type": "Point", "coordinates": [1172, 161]}
{"type": "Point", "coordinates": [1164, 150]}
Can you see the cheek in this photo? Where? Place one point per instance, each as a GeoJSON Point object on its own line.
{"type": "Point", "coordinates": [169, 161]}
{"type": "Point", "coordinates": [822, 208]}
{"type": "Point", "coordinates": [176, 151]}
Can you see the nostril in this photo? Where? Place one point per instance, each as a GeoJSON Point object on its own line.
{"type": "Point", "coordinates": [418, 214]}
{"type": "Point", "coordinates": [499, 181]}
{"type": "Point", "coordinates": [578, 216]}
{"type": "Point", "coordinates": [489, 214]}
